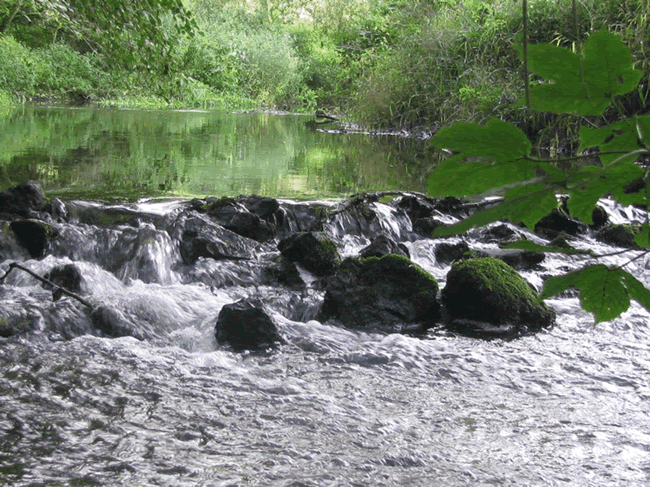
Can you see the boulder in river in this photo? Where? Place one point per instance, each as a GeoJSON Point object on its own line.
{"type": "Point", "coordinates": [201, 237]}
{"type": "Point", "coordinates": [390, 292]}
{"type": "Point", "coordinates": [619, 235]}
{"type": "Point", "coordinates": [315, 251]}
{"type": "Point", "coordinates": [67, 276]}
{"type": "Point", "coordinates": [236, 217]}
{"type": "Point", "coordinates": [382, 245]}
{"type": "Point", "coordinates": [33, 235]}
{"type": "Point", "coordinates": [22, 199]}
{"type": "Point", "coordinates": [448, 252]}
{"type": "Point", "coordinates": [247, 325]}
{"type": "Point", "coordinates": [486, 297]}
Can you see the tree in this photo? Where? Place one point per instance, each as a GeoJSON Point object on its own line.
{"type": "Point", "coordinates": [129, 32]}
{"type": "Point", "coordinates": [496, 158]}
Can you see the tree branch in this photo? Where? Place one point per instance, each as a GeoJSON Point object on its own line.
{"type": "Point", "coordinates": [46, 281]}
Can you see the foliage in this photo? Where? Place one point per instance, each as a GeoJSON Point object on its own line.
{"type": "Point", "coordinates": [496, 159]}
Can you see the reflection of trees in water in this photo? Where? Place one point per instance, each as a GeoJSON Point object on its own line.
{"type": "Point", "coordinates": [137, 153]}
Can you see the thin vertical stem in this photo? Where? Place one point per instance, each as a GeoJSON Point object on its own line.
{"type": "Point", "coordinates": [524, 12]}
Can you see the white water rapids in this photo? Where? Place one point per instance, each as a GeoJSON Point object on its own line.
{"type": "Point", "coordinates": [569, 406]}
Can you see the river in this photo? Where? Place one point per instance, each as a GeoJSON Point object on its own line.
{"type": "Point", "coordinates": [568, 406]}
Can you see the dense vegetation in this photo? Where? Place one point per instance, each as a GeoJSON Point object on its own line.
{"type": "Point", "coordinates": [388, 63]}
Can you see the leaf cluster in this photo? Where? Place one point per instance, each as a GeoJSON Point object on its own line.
{"type": "Point", "coordinates": [496, 159]}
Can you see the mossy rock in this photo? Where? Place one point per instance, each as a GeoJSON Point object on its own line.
{"type": "Point", "coordinates": [487, 290]}
{"type": "Point", "coordinates": [389, 293]}
{"type": "Point", "coordinates": [315, 251]}
{"type": "Point", "coordinates": [619, 235]}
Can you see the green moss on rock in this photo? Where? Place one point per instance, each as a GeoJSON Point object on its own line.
{"type": "Point", "coordinates": [488, 290]}
{"type": "Point", "coordinates": [389, 292]}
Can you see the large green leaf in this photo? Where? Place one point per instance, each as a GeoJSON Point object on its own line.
{"type": "Point", "coordinates": [603, 290]}
{"type": "Point", "coordinates": [527, 204]}
{"type": "Point", "coordinates": [487, 158]}
{"type": "Point", "coordinates": [642, 239]}
{"type": "Point", "coordinates": [585, 88]}
{"type": "Point", "coordinates": [591, 183]}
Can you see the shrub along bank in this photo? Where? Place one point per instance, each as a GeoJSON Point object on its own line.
{"type": "Point", "coordinates": [389, 64]}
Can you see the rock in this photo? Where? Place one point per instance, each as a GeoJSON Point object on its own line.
{"type": "Point", "coordinates": [200, 237]}
{"type": "Point", "coordinates": [559, 222]}
{"type": "Point", "coordinates": [382, 245]}
{"type": "Point", "coordinates": [66, 276]}
{"type": "Point", "coordinates": [388, 293]}
{"type": "Point", "coordinates": [262, 206]}
{"type": "Point", "coordinates": [524, 260]}
{"type": "Point", "coordinates": [446, 252]}
{"type": "Point", "coordinates": [599, 217]}
{"type": "Point", "coordinates": [34, 235]}
{"type": "Point", "coordinates": [59, 211]}
{"type": "Point", "coordinates": [619, 235]}
{"type": "Point", "coordinates": [314, 251]}
{"type": "Point", "coordinates": [235, 217]}
{"type": "Point", "coordinates": [247, 325]}
{"type": "Point", "coordinates": [20, 199]}
{"type": "Point", "coordinates": [112, 322]}
{"type": "Point", "coordinates": [485, 295]}
{"type": "Point", "coordinates": [284, 272]}
{"type": "Point", "coordinates": [294, 217]}
{"type": "Point", "coordinates": [417, 207]}
{"type": "Point", "coordinates": [426, 226]}
{"type": "Point", "coordinates": [414, 206]}
{"type": "Point", "coordinates": [500, 233]}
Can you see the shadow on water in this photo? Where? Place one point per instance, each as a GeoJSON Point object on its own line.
{"type": "Point", "coordinates": [128, 154]}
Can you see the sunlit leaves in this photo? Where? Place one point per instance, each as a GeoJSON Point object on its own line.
{"type": "Point", "coordinates": [584, 87]}
{"type": "Point", "coordinates": [604, 291]}
{"type": "Point", "coordinates": [590, 184]}
{"type": "Point", "coordinates": [642, 239]}
{"type": "Point", "coordinates": [487, 157]}
{"type": "Point", "coordinates": [601, 290]}
{"type": "Point", "coordinates": [526, 204]}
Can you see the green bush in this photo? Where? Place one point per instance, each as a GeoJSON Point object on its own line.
{"type": "Point", "coordinates": [19, 68]}
{"type": "Point", "coordinates": [271, 69]}
{"type": "Point", "coordinates": [66, 71]}
{"type": "Point", "coordinates": [209, 59]}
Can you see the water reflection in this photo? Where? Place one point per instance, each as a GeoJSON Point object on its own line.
{"type": "Point", "coordinates": [104, 153]}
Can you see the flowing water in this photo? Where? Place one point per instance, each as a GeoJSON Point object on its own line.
{"type": "Point", "coordinates": [569, 406]}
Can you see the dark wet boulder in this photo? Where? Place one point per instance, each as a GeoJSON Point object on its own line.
{"type": "Point", "coordinates": [523, 260]}
{"type": "Point", "coordinates": [247, 325]}
{"type": "Point", "coordinates": [66, 276]}
{"type": "Point", "coordinates": [262, 206]}
{"type": "Point", "coordinates": [500, 233]}
{"type": "Point", "coordinates": [382, 245]}
{"type": "Point", "coordinates": [202, 238]}
{"type": "Point", "coordinates": [619, 235]}
{"type": "Point", "coordinates": [114, 323]}
{"type": "Point", "coordinates": [283, 272]}
{"type": "Point", "coordinates": [448, 252]}
{"type": "Point", "coordinates": [23, 199]}
{"type": "Point", "coordinates": [234, 216]}
{"type": "Point", "coordinates": [59, 210]}
{"type": "Point", "coordinates": [315, 251]}
{"type": "Point", "coordinates": [33, 235]}
{"type": "Point", "coordinates": [298, 216]}
{"type": "Point", "coordinates": [599, 217]}
{"type": "Point", "coordinates": [559, 222]}
{"type": "Point", "coordinates": [426, 226]}
{"type": "Point", "coordinates": [486, 297]}
{"type": "Point", "coordinates": [417, 207]}
{"type": "Point", "coordinates": [388, 293]}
